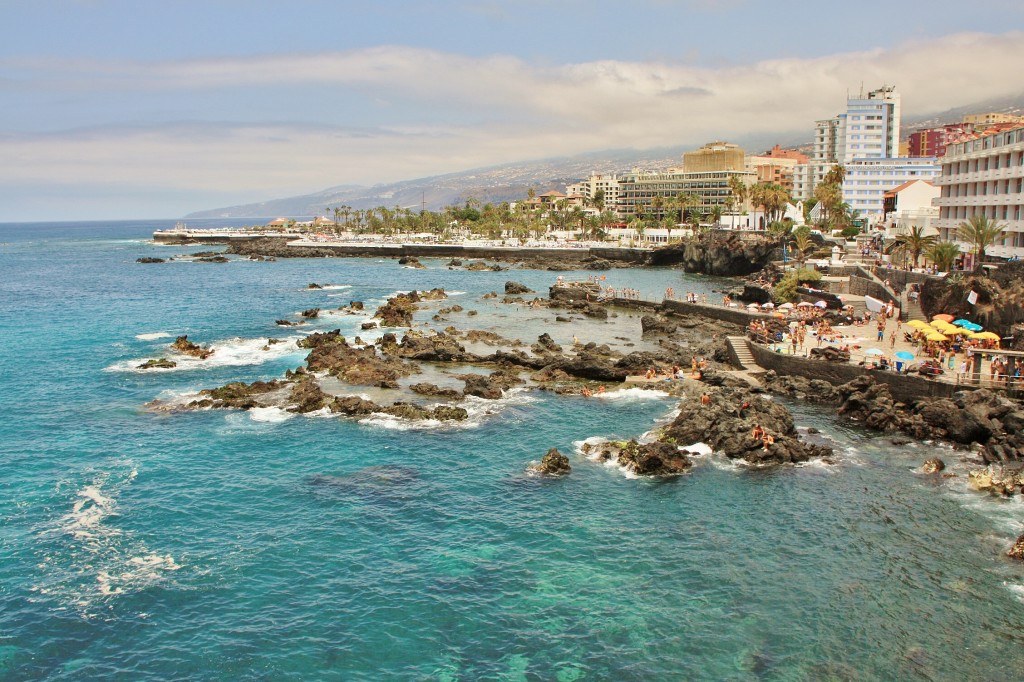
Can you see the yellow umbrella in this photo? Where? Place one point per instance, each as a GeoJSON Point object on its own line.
{"type": "Point", "coordinates": [992, 336]}
{"type": "Point", "coordinates": [936, 336]}
{"type": "Point", "coordinates": [920, 324]}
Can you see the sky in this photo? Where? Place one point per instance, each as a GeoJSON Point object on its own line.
{"type": "Point", "coordinates": [117, 109]}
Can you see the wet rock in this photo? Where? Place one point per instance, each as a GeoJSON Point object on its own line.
{"type": "Point", "coordinates": [647, 459]}
{"type": "Point", "coordinates": [800, 388]}
{"type": "Point", "coordinates": [237, 395]}
{"type": "Point", "coordinates": [574, 291]}
{"type": "Point", "coordinates": [411, 261]}
{"type": "Point", "coordinates": [307, 396]}
{"type": "Point", "coordinates": [727, 421]}
{"type": "Point", "coordinates": [721, 254]}
{"type": "Point", "coordinates": [161, 363]}
{"type": "Point", "coordinates": [554, 463]}
{"type": "Point", "coordinates": [355, 305]}
{"type": "Point", "coordinates": [311, 314]}
{"type": "Point", "coordinates": [212, 259]}
{"type": "Point", "coordinates": [330, 353]}
{"type": "Point", "coordinates": [369, 325]}
{"type": "Point", "coordinates": [933, 466]}
{"type": "Point", "coordinates": [150, 259]}
{"type": "Point", "coordinates": [314, 285]}
{"type": "Point", "coordinates": [517, 288]}
{"type": "Point", "coordinates": [545, 344]}
{"type": "Point", "coordinates": [1017, 550]}
{"type": "Point", "coordinates": [285, 323]}
{"type": "Point", "coordinates": [183, 345]}
{"type": "Point", "coordinates": [397, 312]}
{"type": "Point", "coordinates": [434, 390]}
{"type": "Point", "coordinates": [649, 324]}
{"type": "Point", "coordinates": [997, 480]}
{"type": "Point", "coordinates": [439, 347]}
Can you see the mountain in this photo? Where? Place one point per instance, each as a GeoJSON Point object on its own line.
{"type": "Point", "coordinates": [510, 182]}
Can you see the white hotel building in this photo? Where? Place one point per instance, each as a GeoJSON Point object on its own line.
{"type": "Point", "coordinates": [984, 176]}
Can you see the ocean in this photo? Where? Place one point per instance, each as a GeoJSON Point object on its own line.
{"type": "Point", "coordinates": [211, 545]}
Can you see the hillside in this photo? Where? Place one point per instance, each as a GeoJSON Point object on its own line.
{"type": "Point", "coordinates": [510, 182]}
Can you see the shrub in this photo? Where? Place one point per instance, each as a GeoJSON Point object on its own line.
{"type": "Point", "coordinates": [785, 290]}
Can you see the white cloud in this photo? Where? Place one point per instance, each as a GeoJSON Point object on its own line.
{"type": "Point", "coordinates": [519, 110]}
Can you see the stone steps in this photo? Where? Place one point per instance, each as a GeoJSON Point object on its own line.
{"type": "Point", "coordinates": [741, 347]}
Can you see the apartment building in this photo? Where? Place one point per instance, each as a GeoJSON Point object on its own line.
{"type": "Point", "coordinates": [984, 176]}
{"type": "Point", "coordinates": [867, 181]}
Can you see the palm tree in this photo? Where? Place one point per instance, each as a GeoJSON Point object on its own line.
{"type": "Point", "coordinates": [694, 216]}
{"type": "Point", "coordinates": [740, 191]}
{"type": "Point", "coordinates": [914, 242]}
{"type": "Point", "coordinates": [715, 215]}
{"type": "Point", "coordinates": [980, 233]}
{"type": "Point", "coordinates": [802, 245]}
{"type": "Point", "coordinates": [944, 254]}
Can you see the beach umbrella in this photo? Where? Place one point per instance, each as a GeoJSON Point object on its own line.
{"type": "Point", "coordinates": [936, 336]}
{"type": "Point", "coordinates": [972, 326]}
{"type": "Point", "coordinates": [905, 356]}
{"type": "Point", "coordinates": [991, 336]}
{"type": "Point", "coordinates": [918, 324]}
{"type": "Point", "coordinates": [786, 306]}
{"type": "Point", "coordinates": [769, 305]}
{"type": "Point", "coordinates": [821, 304]}
{"type": "Point", "coordinates": [752, 306]}
{"type": "Point", "coordinates": [962, 322]}
{"type": "Point", "coordinates": [804, 304]}
{"type": "Point", "coordinates": [944, 317]}
{"type": "Point", "coordinates": [875, 351]}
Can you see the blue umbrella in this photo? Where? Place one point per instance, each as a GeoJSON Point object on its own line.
{"type": "Point", "coordinates": [962, 323]}
{"type": "Point", "coordinates": [970, 326]}
{"type": "Point", "coordinates": [875, 351]}
{"type": "Point", "coordinates": [904, 355]}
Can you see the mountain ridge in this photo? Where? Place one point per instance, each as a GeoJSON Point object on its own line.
{"type": "Point", "coordinates": [512, 181]}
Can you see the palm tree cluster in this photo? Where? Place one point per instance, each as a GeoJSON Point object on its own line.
{"type": "Point", "coordinates": [772, 198]}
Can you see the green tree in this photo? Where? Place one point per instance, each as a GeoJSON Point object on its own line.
{"type": "Point", "coordinates": [740, 192]}
{"type": "Point", "coordinates": [914, 243]}
{"type": "Point", "coordinates": [801, 245]}
{"type": "Point", "coordinates": [784, 290]}
{"type": "Point", "coordinates": [943, 254]}
{"type": "Point", "coordinates": [980, 233]}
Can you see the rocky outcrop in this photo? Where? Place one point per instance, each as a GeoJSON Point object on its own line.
{"type": "Point", "coordinates": [286, 323]}
{"type": "Point", "coordinates": [311, 314]}
{"type": "Point", "coordinates": [742, 425]}
{"type": "Point", "coordinates": [435, 391]}
{"type": "Point", "coordinates": [314, 285]}
{"type": "Point", "coordinates": [545, 344]}
{"type": "Point", "coordinates": [1017, 550]}
{"type": "Point", "coordinates": [575, 291]}
{"type": "Point", "coordinates": [1000, 297]}
{"type": "Point", "coordinates": [517, 288]}
{"type": "Point", "coordinates": [439, 347]}
{"type": "Point", "coordinates": [723, 254]}
{"type": "Point", "coordinates": [411, 262]}
{"type": "Point", "coordinates": [329, 352]}
{"type": "Point", "coordinates": [800, 388]}
{"type": "Point", "coordinates": [554, 463]}
{"type": "Point", "coordinates": [490, 386]}
{"type": "Point", "coordinates": [236, 395]}
{"type": "Point", "coordinates": [150, 259]}
{"type": "Point", "coordinates": [160, 363]}
{"type": "Point", "coordinates": [933, 466]}
{"type": "Point", "coordinates": [212, 259]}
{"type": "Point", "coordinates": [183, 345]}
{"type": "Point", "coordinates": [650, 324]}
{"type": "Point", "coordinates": [997, 480]}
{"type": "Point", "coordinates": [642, 459]}
{"type": "Point", "coordinates": [397, 312]}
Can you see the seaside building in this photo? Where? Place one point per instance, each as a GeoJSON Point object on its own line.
{"type": "Point", "coordinates": [909, 206]}
{"type": "Point", "coordinates": [868, 129]}
{"type": "Point", "coordinates": [868, 180]}
{"type": "Point", "coordinates": [606, 186]}
{"type": "Point", "coordinates": [984, 176]}
{"type": "Point", "coordinates": [777, 166]}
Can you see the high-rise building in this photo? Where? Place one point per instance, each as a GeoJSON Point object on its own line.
{"type": "Point", "coordinates": [992, 117]}
{"type": "Point", "coordinates": [984, 176]}
{"type": "Point", "coordinates": [868, 129]}
{"type": "Point", "coordinates": [714, 157]}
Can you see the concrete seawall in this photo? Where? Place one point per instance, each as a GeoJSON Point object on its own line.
{"type": "Point", "coordinates": [903, 387]}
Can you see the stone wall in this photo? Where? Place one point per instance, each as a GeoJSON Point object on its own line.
{"type": "Point", "coordinates": [905, 388]}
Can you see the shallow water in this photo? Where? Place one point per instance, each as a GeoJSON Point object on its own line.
{"type": "Point", "coordinates": [215, 545]}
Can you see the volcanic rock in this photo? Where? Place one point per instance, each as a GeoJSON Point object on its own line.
{"type": "Point", "coordinates": [517, 288]}
{"type": "Point", "coordinates": [162, 363]}
{"type": "Point", "coordinates": [554, 463]}
{"type": "Point", "coordinates": [150, 259]}
{"type": "Point", "coordinates": [183, 345]}
{"type": "Point", "coordinates": [933, 466]}
{"type": "Point", "coordinates": [649, 324]}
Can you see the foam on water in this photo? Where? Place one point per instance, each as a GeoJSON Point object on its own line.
{"type": "Point", "coordinates": [628, 395]}
{"type": "Point", "coordinates": [271, 415]}
{"type": "Point", "coordinates": [153, 336]}
{"type": "Point", "coordinates": [479, 410]}
{"type": "Point", "coordinates": [236, 352]}
{"type": "Point", "coordinates": [87, 559]}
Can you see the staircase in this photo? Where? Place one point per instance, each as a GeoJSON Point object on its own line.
{"type": "Point", "coordinates": [911, 310]}
{"type": "Point", "coordinates": [741, 347]}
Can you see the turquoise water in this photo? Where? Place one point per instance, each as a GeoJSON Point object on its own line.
{"type": "Point", "coordinates": [143, 545]}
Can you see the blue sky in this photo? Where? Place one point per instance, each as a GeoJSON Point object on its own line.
{"type": "Point", "coordinates": [116, 109]}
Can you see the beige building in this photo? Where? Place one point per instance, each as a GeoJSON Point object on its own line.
{"type": "Point", "coordinates": [714, 157]}
{"type": "Point", "coordinates": [992, 117]}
